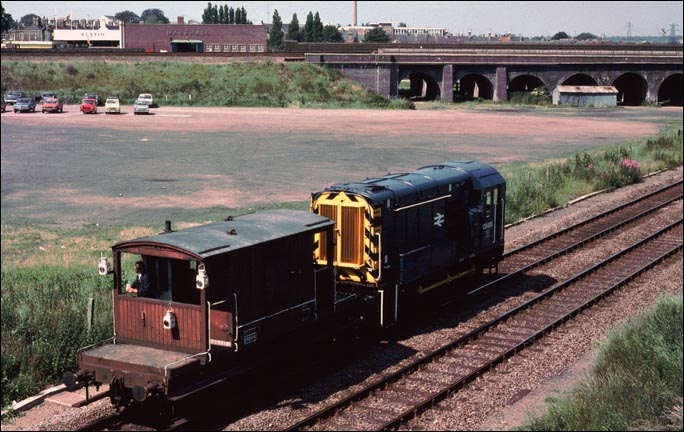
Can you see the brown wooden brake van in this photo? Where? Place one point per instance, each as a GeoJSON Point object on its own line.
{"type": "Point", "coordinates": [215, 289]}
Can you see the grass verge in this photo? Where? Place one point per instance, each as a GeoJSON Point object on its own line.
{"type": "Point", "coordinates": [637, 379]}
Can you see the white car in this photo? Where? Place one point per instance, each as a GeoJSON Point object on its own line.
{"type": "Point", "coordinates": [141, 107]}
{"type": "Point", "coordinates": [112, 106]}
{"type": "Point", "coordinates": [147, 98]}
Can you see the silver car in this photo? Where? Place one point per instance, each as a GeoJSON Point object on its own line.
{"type": "Point", "coordinates": [140, 107]}
{"type": "Point", "coordinates": [13, 95]}
{"type": "Point", "coordinates": [146, 97]}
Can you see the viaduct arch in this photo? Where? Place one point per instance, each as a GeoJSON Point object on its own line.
{"type": "Point", "coordinates": [641, 75]}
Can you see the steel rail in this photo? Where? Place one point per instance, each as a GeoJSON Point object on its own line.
{"type": "Point", "coordinates": [584, 241]}
{"type": "Point", "coordinates": [429, 401]}
{"type": "Point", "coordinates": [474, 334]}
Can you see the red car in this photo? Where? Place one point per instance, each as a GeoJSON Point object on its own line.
{"type": "Point", "coordinates": [52, 105]}
{"type": "Point", "coordinates": [89, 106]}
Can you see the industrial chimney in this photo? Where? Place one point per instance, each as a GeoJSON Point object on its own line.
{"type": "Point", "coordinates": [353, 14]}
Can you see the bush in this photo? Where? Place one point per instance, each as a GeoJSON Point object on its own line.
{"type": "Point", "coordinates": [532, 190]}
{"type": "Point", "coordinates": [538, 96]}
{"type": "Point", "coordinates": [44, 322]}
{"type": "Point", "coordinates": [637, 376]}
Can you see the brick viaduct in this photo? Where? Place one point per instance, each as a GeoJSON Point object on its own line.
{"type": "Point", "coordinates": [641, 73]}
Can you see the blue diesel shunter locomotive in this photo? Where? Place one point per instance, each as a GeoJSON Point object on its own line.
{"type": "Point", "coordinates": [402, 235]}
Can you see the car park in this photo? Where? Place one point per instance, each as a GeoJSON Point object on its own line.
{"type": "Point", "coordinates": [141, 107]}
{"type": "Point", "coordinates": [25, 105]}
{"type": "Point", "coordinates": [112, 106]}
{"type": "Point", "coordinates": [147, 98]}
{"type": "Point", "coordinates": [52, 104]}
{"type": "Point", "coordinates": [89, 106]}
{"type": "Point", "coordinates": [13, 95]}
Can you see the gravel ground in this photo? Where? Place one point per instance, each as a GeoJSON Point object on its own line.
{"type": "Point", "coordinates": [498, 401]}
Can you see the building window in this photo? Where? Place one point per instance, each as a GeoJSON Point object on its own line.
{"type": "Point", "coordinates": [260, 48]}
{"type": "Point", "coordinates": [217, 48]}
{"type": "Point", "coordinates": [243, 48]}
{"type": "Point", "coordinates": [226, 48]}
{"type": "Point", "coordinates": [235, 48]}
{"type": "Point", "coordinates": [208, 48]}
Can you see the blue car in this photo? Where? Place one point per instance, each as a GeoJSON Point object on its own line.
{"type": "Point", "coordinates": [25, 105]}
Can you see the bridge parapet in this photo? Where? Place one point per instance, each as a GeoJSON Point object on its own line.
{"type": "Point", "coordinates": [381, 70]}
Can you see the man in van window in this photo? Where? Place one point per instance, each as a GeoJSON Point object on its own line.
{"type": "Point", "coordinates": [141, 284]}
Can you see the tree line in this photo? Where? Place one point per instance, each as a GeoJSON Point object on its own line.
{"type": "Point", "coordinates": [224, 15]}
{"type": "Point", "coordinates": [313, 31]}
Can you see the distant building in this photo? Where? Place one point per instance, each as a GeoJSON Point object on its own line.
{"type": "Point", "coordinates": [103, 32]}
{"type": "Point", "coordinates": [32, 36]}
{"type": "Point", "coordinates": [396, 34]}
{"type": "Point", "coordinates": [208, 38]}
{"type": "Point", "coordinates": [598, 96]}
{"type": "Point", "coordinates": [108, 32]}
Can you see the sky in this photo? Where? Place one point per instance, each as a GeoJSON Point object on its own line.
{"type": "Point", "coordinates": [526, 18]}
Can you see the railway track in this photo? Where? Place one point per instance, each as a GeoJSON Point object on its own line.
{"type": "Point", "coordinates": [516, 263]}
{"type": "Point", "coordinates": [138, 418]}
{"type": "Point", "coordinates": [534, 254]}
{"type": "Point", "coordinates": [401, 395]}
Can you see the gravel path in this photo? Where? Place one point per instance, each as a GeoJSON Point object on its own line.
{"type": "Point", "coordinates": [498, 401]}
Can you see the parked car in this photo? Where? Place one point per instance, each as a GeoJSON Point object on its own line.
{"type": "Point", "coordinates": [147, 98]}
{"type": "Point", "coordinates": [25, 105]}
{"type": "Point", "coordinates": [93, 96]}
{"type": "Point", "coordinates": [141, 107]}
{"type": "Point", "coordinates": [112, 105]}
{"type": "Point", "coordinates": [89, 106]}
{"type": "Point", "coordinates": [13, 95]}
{"type": "Point", "coordinates": [46, 95]}
{"type": "Point", "coordinates": [52, 104]}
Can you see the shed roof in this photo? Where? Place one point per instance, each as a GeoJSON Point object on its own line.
{"type": "Point", "coordinates": [587, 89]}
{"type": "Point", "coordinates": [216, 238]}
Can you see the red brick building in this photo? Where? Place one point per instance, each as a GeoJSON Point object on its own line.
{"type": "Point", "coordinates": [209, 38]}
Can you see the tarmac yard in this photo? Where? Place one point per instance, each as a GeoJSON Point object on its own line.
{"type": "Point", "coordinates": [178, 162]}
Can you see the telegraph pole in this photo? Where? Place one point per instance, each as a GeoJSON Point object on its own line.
{"type": "Point", "coordinates": [673, 34]}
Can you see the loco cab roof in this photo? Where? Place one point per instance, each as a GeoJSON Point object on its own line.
{"type": "Point", "coordinates": [425, 182]}
{"type": "Point", "coordinates": [205, 241]}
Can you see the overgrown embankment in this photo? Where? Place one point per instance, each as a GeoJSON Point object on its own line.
{"type": "Point", "coordinates": [248, 84]}
{"type": "Point", "coordinates": [636, 382]}
{"type": "Point", "coordinates": [534, 188]}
